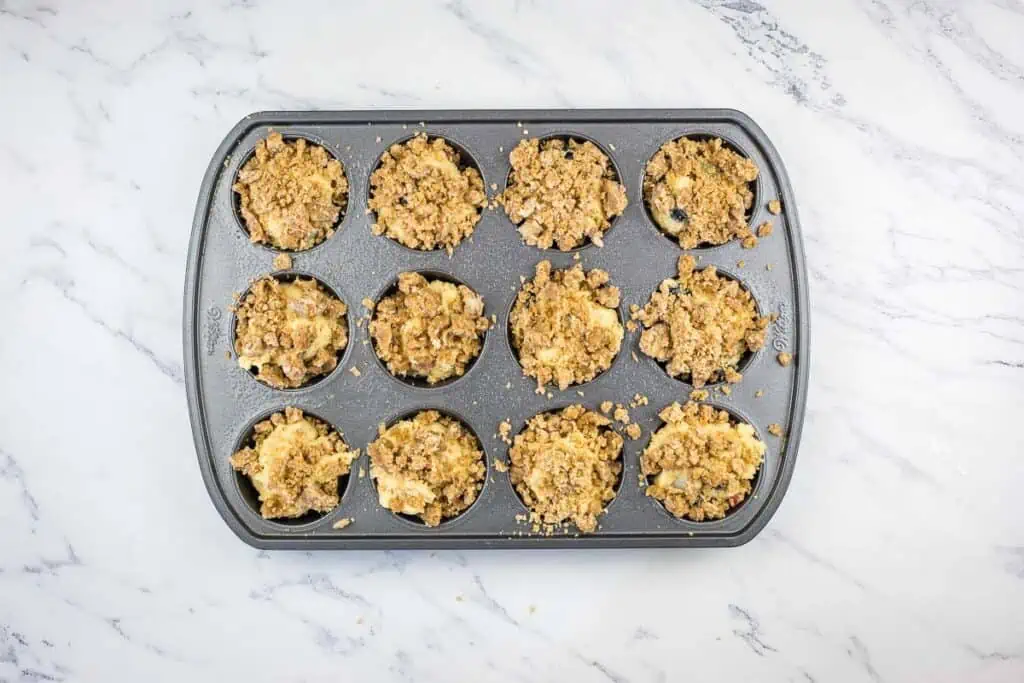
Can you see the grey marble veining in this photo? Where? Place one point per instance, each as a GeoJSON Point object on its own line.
{"type": "Point", "coordinates": [898, 554]}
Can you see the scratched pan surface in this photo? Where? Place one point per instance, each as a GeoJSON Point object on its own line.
{"type": "Point", "coordinates": [225, 400]}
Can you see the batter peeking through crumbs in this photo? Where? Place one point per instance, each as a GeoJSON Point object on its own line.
{"type": "Point", "coordinates": [291, 193]}
{"type": "Point", "coordinates": [700, 464]}
{"type": "Point", "coordinates": [700, 325]}
{"type": "Point", "coordinates": [562, 192]}
{"type": "Point", "coordinates": [565, 466]}
{"type": "Point", "coordinates": [565, 326]}
{"type": "Point", "coordinates": [698, 192]}
{"type": "Point", "coordinates": [294, 462]}
{"type": "Point", "coordinates": [424, 196]}
{"type": "Point", "coordinates": [289, 333]}
{"type": "Point", "coordinates": [430, 466]}
{"type": "Point", "coordinates": [430, 329]}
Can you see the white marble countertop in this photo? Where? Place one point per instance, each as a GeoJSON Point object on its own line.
{"type": "Point", "coordinates": [898, 554]}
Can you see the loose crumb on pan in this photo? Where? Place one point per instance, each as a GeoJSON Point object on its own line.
{"type": "Point", "coordinates": [424, 196]}
{"type": "Point", "coordinates": [289, 332]}
{"type": "Point", "coordinates": [765, 229]}
{"type": "Point", "coordinates": [342, 523]}
{"type": "Point", "coordinates": [725, 389]}
{"type": "Point", "coordinates": [355, 371]}
{"type": "Point", "coordinates": [699, 395]}
{"type": "Point", "coordinates": [606, 407]}
{"type": "Point", "coordinates": [775, 206]}
{"type": "Point", "coordinates": [775, 429]}
{"type": "Point", "coordinates": [699, 463]}
{"type": "Point", "coordinates": [504, 429]}
{"type": "Point", "coordinates": [620, 414]}
{"type": "Point", "coordinates": [291, 193]}
{"type": "Point", "coordinates": [784, 359]}
{"type": "Point", "coordinates": [431, 329]}
{"type": "Point", "coordinates": [501, 466]}
{"type": "Point", "coordinates": [759, 393]}
{"type": "Point", "coordinates": [562, 193]}
{"type": "Point", "coordinates": [430, 466]}
{"type": "Point", "coordinates": [565, 466]}
{"type": "Point", "coordinates": [633, 431]}
{"type": "Point", "coordinates": [701, 325]}
{"type": "Point", "coordinates": [698, 193]}
{"type": "Point", "coordinates": [638, 400]}
{"type": "Point", "coordinates": [294, 462]}
{"type": "Point", "coordinates": [565, 326]}
{"type": "Point", "coordinates": [282, 262]}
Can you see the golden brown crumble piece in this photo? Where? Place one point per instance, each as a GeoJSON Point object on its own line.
{"type": "Point", "coordinates": [282, 262]}
{"type": "Point", "coordinates": [355, 371]}
{"type": "Point", "coordinates": [759, 393]}
{"type": "Point", "coordinates": [698, 191]}
{"type": "Point", "coordinates": [606, 407]}
{"type": "Point", "coordinates": [500, 465]}
{"type": "Point", "coordinates": [565, 466]}
{"type": "Point", "coordinates": [701, 325]}
{"type": "Point", "coordinates": [504, 429]}
{"type": "Point", "coordinates": [562, 193]}
{"type": "Point", "coordinates": [621, 414]}
{"type": "Point", "coordinates": [565, 326]}
{"type": "Point", "coordinates": [368, 303]}
{"type": "Point", "coordinates": [342, 523]}
{"type": "Point", "coordinates": [775, 206]}
{"type": "Point", "coordinates": [699, 395]}
{"type": "Point", "coordinates": [765, 229]}
{"type": "Point", "coordinates": [291, 193]}
{"type": "Point", "coordinates": [430, 466]}
{"type": "Point", "coordinates": [638, 400]}
{"type": "Point", "coordinates": [726, 389]}
{"type": "Point", "coordinates": [294, 462]}
{"type": "Point", "coordinates": [290, 332]}
{"type": "Point", "coordinates": [432, 329]}
{"type": "Point", "coordinates": [633, 431]}
{"type": "Point", "coordinates": [749, 242]}
{"type": "Point", "coordinates": [424, 196]}
{"type": "Point", "coordinates": [775, 429]}
{"type": "Point", "coordinates": [784, 359]}
{"type": "Point", "coordinates": [700, 464]}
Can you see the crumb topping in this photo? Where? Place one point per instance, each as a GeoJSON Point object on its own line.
{"type": "Point", "coordinates": [294, 462]}
{"type": "Point", "coordinates": [565, 466]}
{"type": "Point", "coordinates": [697, 191]}
{"type": "Point", "coordinates": [701, 465]}
{"type": "Point", "coordinates": [291, 193]}
{"type": "Point", "coordinates": [775, 206]}
{"type": "Point", "coordinates": [565, 326]}
{"type": "Point", "coordinates": [423, 197]}
{"type": "Point", "coordinates": [562, 193]}
{"type": "Point", "coordinates": [784, 359]}
{"type": "Point", "coordinates": [700, 325]}
{"type": "Point", "coordinates": [282, 262]}
{"type": "Point", "coordinates": [430, 329]}
{"type": "Point", "coordinates": [430, 466]}
{"type": "Point", "coordinates": [290, 332]}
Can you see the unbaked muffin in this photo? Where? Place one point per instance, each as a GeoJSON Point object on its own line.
{"type": "Point", "coordinates": [565, 325]}
{"type": "Point", "coordinates": [698, 192]}
{"type": "Point", "coordinates": [294, 462]}
{"type": "Point", "coordinates": [700, 325]}
{"type": "Point", "coordinates": [429, 329]}
{"type": "Point", "coordinates": [424, 196]}
{"type": "Point", "coordinates": [566, 465]}
{"type": "Point", "coordinates": [291, 193]}
{"type": "Point", "coordinates": [562, 192]}
{"type": "Point", "coordinates": [429, 466]}
{"type": "Point", "coordinates": [700, 464]}
{"type": "Point", "coordinates": [289, 333]}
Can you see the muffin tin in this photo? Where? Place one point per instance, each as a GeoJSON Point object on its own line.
{"type": "Point", "coordinates": [225, 401]}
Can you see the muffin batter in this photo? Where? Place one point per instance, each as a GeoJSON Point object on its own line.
{"type": "Point", "coordinates": [429, 329]}
{"type": "Point", "coordinates": [698, 193]}
{"type": "Point", "coordinates": [291, 193]}
{"type": "Point", "coordinates": [565, 466]}
{"type": "Point", "coordinates": [701, 465]}
{"type": "Point", "coordinates": [565, 326]}
{"type": "Point", "coordinates": [289, 332]}
{"type": "Point", "coordinates": [700, 325]}
{"type": "Point", "coordinates": [562, 192]}
{"type": "Point", "coordinates": [294, 463]}
{"type": "Point", "coordinates": [423, 198]}
{"type": "Point", "coordinates": [430, 466]}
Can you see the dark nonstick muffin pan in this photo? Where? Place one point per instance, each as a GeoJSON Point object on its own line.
{"type": "Point", "coordinates": [225, 401]}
